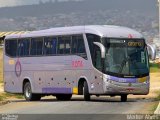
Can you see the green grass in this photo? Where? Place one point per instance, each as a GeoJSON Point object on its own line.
{"type": "Point", "coordinates": [4, 96]}
{"type": "Point", "coordinates": [154, 67]}
{"type": "Point", "coordinates": [7, 95]}
{"type": "Point", "coordinates": [1, 98]}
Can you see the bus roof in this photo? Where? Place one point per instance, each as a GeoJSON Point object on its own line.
{"type": "Point", "coordinates": [101, 30]}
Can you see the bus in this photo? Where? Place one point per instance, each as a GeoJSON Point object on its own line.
{"type": "Point", "coordinates": [82, 60]}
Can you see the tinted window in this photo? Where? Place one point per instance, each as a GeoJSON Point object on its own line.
{"type": "Point", "coordinates": [78, 46]}
{"type": "Point", "coordinates": [61, 45]}
{"type": "Point", "coordinates": [36, 46]}
{"type": "Point", "coordinates": [23, 47]}
{"type": "Point", "coordinates": [94, 50]}
{"type": "Point", "coordinates": [67, 45]}
{"type": "Point", "coordinates": [11, 48]}
{"type": "Point", "coordinates": [50, 44]}
{"type": "Point", "coordinates": [74, 44]}
{"type": "Point", "coordinates": [81, 46]}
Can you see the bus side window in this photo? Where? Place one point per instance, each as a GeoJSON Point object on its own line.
{"type": "Point", "coordinates": [36, 46]}
{"type": "Point", "coordinates": [11, 48]}
{"type": "Point", "coordinates": [50, 46]}
{"type": "Point", "coordinates": [74, 45]}
{"type": "Point", "coordinates": [67, 45]}
{"type": "Point", "coordinates": [23, 47]}
{"type": "Point", "coordinates": [81, 45]}
{"type": "Point", "coordinates": [60, 46]}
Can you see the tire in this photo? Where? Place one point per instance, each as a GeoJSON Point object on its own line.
{"type": "Point", "coordinates": [86, 92]}
{"type": "Point", "coordinates": [123, 98]}
{"type": "Point", "coordinates": [29, 96]}
{"type": "Point", "coordinates": [64, 97]}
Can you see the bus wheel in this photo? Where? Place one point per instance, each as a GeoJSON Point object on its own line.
{"type": "Point", "coordinates": [64, 97]}
{"type": "Point", "coordinates": [29, 96]}
{"type": "Point", "coordinates": [86, 92]}
{"type": "Point", "coordinates": [123, 98]}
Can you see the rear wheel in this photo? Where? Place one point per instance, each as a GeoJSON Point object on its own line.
{"type": "Point", "coordinates": [29, 96]}
{"type": "Point", "coordinates": [86, 92]}
{"type": "Point", "coordinates": [123, 98]}
{"type": "Point", "coordinates": [64, 97]}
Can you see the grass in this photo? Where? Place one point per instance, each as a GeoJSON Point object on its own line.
{"type": "Point", "coordinates": [154, 67]}
{"type": "Point", "coordinates": [1, 98]}
{"type": "Point", "coordinates": [4, 96]}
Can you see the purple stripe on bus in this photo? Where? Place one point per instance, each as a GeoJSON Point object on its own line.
{"type": "Point", "coordinates": [123, 80]}
{"type": "Point", "coordinates": [56, 90]}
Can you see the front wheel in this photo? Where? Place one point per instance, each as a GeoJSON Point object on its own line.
{"type": "Point", "coordinates": [86, 92]}
{"type": "Point", "coordinates": [123, 98]}
{"type": "Point", "coordinates": [29, 96]}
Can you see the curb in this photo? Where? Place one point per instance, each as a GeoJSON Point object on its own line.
{"type": "Point", "coordinates": [157, 111]}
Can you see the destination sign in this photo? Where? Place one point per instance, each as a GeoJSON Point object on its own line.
{"type": "Point", "coordinates": [125, 43]}
{"type": "Point", "coordinates": [135, 44]}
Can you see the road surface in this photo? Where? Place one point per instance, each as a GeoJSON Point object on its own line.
{"type": "Point", "coordinates": [97, 106]}
{"type": "Point", "coordinates": [101, 105]}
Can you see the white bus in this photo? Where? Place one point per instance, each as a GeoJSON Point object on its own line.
{"type": "Point", "coordinates": [83, 60]}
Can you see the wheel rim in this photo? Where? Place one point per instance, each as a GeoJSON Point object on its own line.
{"type": "Point", "coordinates": [28, 91]}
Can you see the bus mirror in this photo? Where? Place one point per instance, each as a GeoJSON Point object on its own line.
{"type": "Point", "coordinates": [102, 48]}
{"type": "Point", "coordinates": [151, 51]}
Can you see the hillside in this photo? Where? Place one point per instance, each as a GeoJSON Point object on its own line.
{"type": "Point", "coordinates": [144, 6]}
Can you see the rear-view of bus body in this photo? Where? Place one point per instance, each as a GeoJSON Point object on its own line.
{"type": "Point", "coordinates": [82, 60]}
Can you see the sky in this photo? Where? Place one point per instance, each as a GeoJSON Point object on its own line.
{"type": "Point", "coordinates": [6, 3]}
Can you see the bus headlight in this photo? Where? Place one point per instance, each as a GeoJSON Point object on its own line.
{"type": "Point", "coordinates": [142, 80]}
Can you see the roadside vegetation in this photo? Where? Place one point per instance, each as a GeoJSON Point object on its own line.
{"type": "Point", "coordinates": [154, 67]}
{"type": "Point", "coordinates": [7, 96]}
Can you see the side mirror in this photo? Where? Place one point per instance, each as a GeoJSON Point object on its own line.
{"type": "Point", "coordinates": [102, 48]}
{"type": "Point", "coordinates": [151, 51]}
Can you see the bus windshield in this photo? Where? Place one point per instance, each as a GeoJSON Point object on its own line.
{"type": "Point", "coordinates": [126, 57]}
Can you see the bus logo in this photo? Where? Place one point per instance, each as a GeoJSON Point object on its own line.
{"type": "Point", "coordinates": [130, 36]}
{"type": "Point", "coordinates": [18, 68]}
{"type": "Point", "coordinates": [76, 64]}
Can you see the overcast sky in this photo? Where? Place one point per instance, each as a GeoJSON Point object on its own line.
{"type": "Point", "coordinates": [4, 3]}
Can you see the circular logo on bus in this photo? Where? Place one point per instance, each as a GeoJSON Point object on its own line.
{"type": "Point", "coordinates": [18, 69]}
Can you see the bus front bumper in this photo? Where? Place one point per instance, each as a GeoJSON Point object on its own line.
{"type": "Point", "coordinates": [117, 88]}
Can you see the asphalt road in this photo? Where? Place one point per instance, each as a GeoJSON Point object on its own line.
{"type": "Point", "coordinates": [97, 106]}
